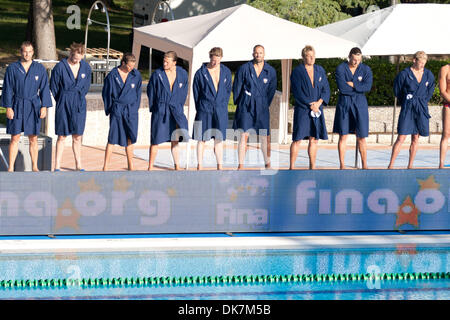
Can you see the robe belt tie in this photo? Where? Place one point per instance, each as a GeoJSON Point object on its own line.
{"type": "Point", "coordinates": [34, 102]}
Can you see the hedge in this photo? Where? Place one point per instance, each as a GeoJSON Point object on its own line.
{"type": "Point", "coordinates": [383, 71]}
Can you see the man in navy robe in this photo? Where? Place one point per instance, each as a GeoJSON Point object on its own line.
{"type": "Point", "coordinates": [122, 97]}
{"type": "Point", "coordinates": [253, 90]}
{"type": "Point", "coordinates": [413, 87]}
{"type": "Point", "coordinates": [69, 83]}
{"type": "Point", "coordinates": [309, 85]}
{"type": "Point", "coordinates": [26, 97]}
{"type": "Point", "coordinates": [212, 89]}
{"type": "Point", "coordinates": [354, 79]}
{"type": "Point", "coordinates": [167, 91]}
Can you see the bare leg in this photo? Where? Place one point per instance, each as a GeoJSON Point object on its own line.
{"type": "Point", "coordinates": [59, 151]}
{"type": "Point", "coordinates": [413, 149]}
{"type": "Point", "coordinates": [265, 147]}
{"type": "Point", "coordinates": [342, 146]}
{"type": "Point", "coordinates": [362, 145]}
{"type": "Point", "coordinates": [108, 151]}
{"type": "Point", "coordinates": [130, 154]}
{"type": "Point", "coordinates": [76, 148]}
{"type": "Point", "coordinates": [445, 136]}
{"type": "Point", "coordinates": [174, 148]}
{"type": "Point", "coordinates": [218, 150]}
{"type": "Point", "coordinates": [295, 146]}
{"type": "Point", "coordinates": [242, 149]}
{"type": "Point", "coordinates": [396, 149]}
{"type": "Point", "coordinates": [200, 148]}
{"type": "Point", "coordinates": [13, 149]}
{"type": "Point", "coordinates": [152, 156]}
{"type": "Point", "coordinates": [33, 152]}
{"type": "Point", "coordinates": [312, 153]}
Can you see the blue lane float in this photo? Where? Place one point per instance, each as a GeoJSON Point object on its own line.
{"type": "Point", "coordinates": [223, 201]}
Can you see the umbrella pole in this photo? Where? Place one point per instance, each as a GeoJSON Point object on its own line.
{"type": "Point", "coordinates": [395, 107]}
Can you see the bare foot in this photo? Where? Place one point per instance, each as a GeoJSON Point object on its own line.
{"type": "Point", "coordinates": [240, 167]}
{"type": "Point", "coordinates": [219, 167]}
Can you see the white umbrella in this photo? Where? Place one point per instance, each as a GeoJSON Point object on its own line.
{"type": "Point", "coordinates": [398, 30]}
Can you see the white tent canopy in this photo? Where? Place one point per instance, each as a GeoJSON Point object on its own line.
{"type": "Point", "coordinates": [237, 30]}
{"type": "Point", "coordinates": [398, 30]}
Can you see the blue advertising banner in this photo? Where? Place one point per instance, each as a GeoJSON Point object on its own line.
{"type": "Point", "coordinates": [223, 201]}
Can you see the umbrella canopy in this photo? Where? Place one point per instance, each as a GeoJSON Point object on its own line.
{"type": "Point", "coordinates": [236, 30]}
{"type": "Point", "coordinates": [398, 30]}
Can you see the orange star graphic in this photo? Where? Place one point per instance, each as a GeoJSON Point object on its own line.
{"type": "Point", "coordinates": [89, 185]}
{"type": "Point", "coordinates": [67, 216]}
{"type": "Point", "coordinates": [171, 192]}
{"type": "Point", "coordinates": [121, 184]}
{"type": "Point", "coordinates": [407, 214]}
{"type": "Point", "coordinates": [429, 183]}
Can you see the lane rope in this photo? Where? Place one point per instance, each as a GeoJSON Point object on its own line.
{"type": "Point", "coordinates": [216, 280]}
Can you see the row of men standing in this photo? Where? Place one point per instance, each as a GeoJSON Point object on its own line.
{"type": "Point", "coordinates": [26, 95]}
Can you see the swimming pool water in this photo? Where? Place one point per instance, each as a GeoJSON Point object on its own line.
{"type": "Point", "coordinates": [233, 263]}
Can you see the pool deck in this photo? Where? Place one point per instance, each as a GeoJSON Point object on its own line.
{"type": "Point", "coordinates": [378, 156]}
{"type": "Point", "coordinates": [218, 242]}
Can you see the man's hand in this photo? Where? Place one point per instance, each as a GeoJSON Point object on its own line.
{"type": "Point", "coordinates": [350, 83]}
{"type": "Point", "coordinates": [9, 113]}
{"type": "Point", "coordinates": [315, 106]}
{"type": "Point", "coordinates": [43, 112]}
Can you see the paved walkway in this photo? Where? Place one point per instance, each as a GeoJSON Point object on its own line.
{"type": "Point", "coordinates": [327, 157]}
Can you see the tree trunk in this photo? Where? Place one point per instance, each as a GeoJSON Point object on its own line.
{"type": "Point", "coordinates": [30, 23]}
{"type": "Point", "coordinates": [44, 30]}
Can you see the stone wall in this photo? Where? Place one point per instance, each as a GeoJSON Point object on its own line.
{"type": "Point", "coordinates": [97, 123]}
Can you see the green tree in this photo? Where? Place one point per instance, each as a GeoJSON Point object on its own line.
{"type": "Point", "coordinates": [313, 13]}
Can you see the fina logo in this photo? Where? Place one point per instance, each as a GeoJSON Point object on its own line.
{"type": "Point", "coordinates": [225, 211]}
{"type": "Point", "coordinates": [429, 199]}
{"type": "Point", "coordinates": [251, 190]}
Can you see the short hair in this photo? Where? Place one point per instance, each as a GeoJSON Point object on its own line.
{"type": "Point", "coordinates": [258, 46]}
{"type": "Point", "coordinates": [306, 49]}
{"type": "Point", "coordinates": [420, 55]}
{"type": "Point", "coordinates": [171, 54]}
{"type": "Point", "coordinates": [216, 51]}
{"type": "Point", "coordinates": [354, 51]}
{"type": "Point", "coordinates": [128, 57]}
{"type": "Point", "coordinates": [77, 48]}
{"type": "Point", "coordinates": [26, 44]}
